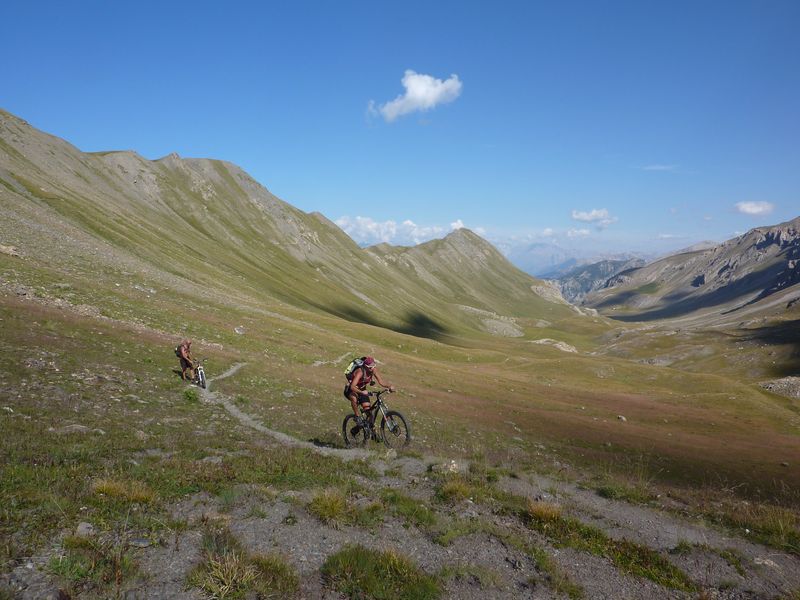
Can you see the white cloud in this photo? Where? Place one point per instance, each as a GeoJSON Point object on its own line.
{"type": "Point", "coordinates": [577, 233]}
{"type": "Point", "coordinates": [548, 232]}
{"type": "Point", "coordinates": [423, 92]}
{"type": "Point", "coordinates": [598, 216]}
{"type": "Point", "coordinates": [670, 236]}
{"type": "Point", "coordinates": [754, 208]}
{"type": "Point", "coordinates": [659, 167]}
{"type": "Point", "coordinates": [366, 230]}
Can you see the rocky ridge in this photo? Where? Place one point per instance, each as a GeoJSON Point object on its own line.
{"type": "Point", "coordinates": [728, 277]}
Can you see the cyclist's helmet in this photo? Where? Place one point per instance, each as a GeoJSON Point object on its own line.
{"type": "Point", "coordinates": [369, 362]}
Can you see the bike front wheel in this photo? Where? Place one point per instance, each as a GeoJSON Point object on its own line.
{"type": "Point", "coordinates": [353, 434]}
{"type": "Point", "coordinates": [201, 379]}
{"type": "Point", "coordinates": [395, 430]}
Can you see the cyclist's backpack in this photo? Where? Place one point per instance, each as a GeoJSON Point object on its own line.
{"type": "Point", "coordinates": [178, 351]}
{"type": "Point", "coordinates": [351, 368]}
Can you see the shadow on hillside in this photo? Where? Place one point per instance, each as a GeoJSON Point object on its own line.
{"type": "Point", "coordinates": [677, 305]}
{"type": "Point", "coordinates": [621, 298]}
{"type": "Point", "coordinates": [413, 323]}
{"type": "Point", "coordinates": [781, 334]}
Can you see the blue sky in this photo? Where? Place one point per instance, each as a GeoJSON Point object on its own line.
{"type": "Point", "coordinates": [594, 126]}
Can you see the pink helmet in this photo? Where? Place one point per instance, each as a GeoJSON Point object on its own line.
{"type": "Point", "coordinates": [369, 362]}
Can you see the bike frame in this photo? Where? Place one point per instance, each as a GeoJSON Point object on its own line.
{"type": "Point", "coordinates": [198, 370]}
{"type": "Point", "coordinates": [377, 405]}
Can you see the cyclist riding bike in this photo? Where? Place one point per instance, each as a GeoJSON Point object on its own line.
{"type": "Point", "coordinates": [364, 373]}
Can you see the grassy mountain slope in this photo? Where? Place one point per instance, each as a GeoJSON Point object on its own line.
{"type": "Point", "coordinates": [190, 224]}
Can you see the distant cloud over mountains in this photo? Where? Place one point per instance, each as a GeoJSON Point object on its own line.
{"type": "Point", "coordinates": [423, 92]}
{"type": "Point", "coordinates": [755, 208]}
{"type": "Point", "coordinates": [365, 230]}
{"type": "Point", "coordinates": [598, 216]}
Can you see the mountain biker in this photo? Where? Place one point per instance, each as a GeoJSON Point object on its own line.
{"type": "Point", "coordinates": [356, 389]}
{"type": "Point", "coordinates": [184, 353]}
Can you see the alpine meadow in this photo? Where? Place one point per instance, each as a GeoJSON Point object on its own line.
{"type": "Point", "coordinates": [644, 443]}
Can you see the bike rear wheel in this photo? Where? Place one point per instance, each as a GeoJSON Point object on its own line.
{"type": "Point", "coordinates": [395, 430]}
{"type": "Point", "coordinates": [353, 434]}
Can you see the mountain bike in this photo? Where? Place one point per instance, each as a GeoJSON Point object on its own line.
{"type": "Point", "coordinates": [200, 374]}
{"type": "Point", "coordinates": [394, 432]}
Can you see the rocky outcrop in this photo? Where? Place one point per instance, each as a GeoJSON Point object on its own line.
{"type": "Point", "coordinates": [583, 280]}
{"type": "Point", "coordinates": [729, 276]}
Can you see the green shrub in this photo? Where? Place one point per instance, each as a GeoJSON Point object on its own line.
{"type": "Point", "coordinates": [358, 572]}
{"type": "Point", "coordinates": [413, 511]}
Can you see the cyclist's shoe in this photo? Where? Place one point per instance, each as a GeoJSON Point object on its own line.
{"type": "Point", "coordinates": [355, 431]}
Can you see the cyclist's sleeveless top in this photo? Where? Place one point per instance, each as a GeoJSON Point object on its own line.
{"type": "Point", "coordinates": [366, 379]}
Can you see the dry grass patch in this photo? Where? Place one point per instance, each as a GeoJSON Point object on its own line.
{"type": "Point", "coordinates": [228, 575]}
{"type": "Point", "coordinates": [330, 506]}
{"type": "Point", "coordinates": [128, 491]}
{"type": "Point", "coordinates": [454, 490]}
{"type": "Point", "coordinates": [544, 511]}
{"type": "Point", "coordinates": [229, 572]}
{"type": "Point", "coordinates": [777, 526]}
{"type": "Point", "coordinates": [335, 508]}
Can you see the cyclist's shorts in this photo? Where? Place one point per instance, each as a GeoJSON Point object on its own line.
{"type": "Point", "coordinates": [364, 400]}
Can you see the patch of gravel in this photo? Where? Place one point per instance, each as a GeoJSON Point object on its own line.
{"type": "Point", "coordinates": [166, 568]}
{"type": "Point", "coordinates": [307, 543]}
{"type": "Point", "coordinates": [769, 572]}
{"type": "Point", "coordinates": [563, 346]}
{"type": "Point", "coordinates": [602, 581]}
{"type": "Point", "coordinates": [787, 386]}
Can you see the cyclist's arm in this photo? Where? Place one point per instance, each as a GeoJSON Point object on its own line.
{"type": "Point", "coordinates": [354, 385]}
{"type": "Point", "coordinates": [380, 381]}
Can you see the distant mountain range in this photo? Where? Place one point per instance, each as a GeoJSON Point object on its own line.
{"type": "Point", "coordinates": [576, 283]}
{"type": "Point", "coordinates": [748, 274]}
{"type": "Point", "coordinates": [551, 261]}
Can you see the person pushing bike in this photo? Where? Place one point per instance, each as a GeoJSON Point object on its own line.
{"type": "Point", "coordinates": [361, 373]}
{"type": "Point", "coordinates": [184, 354]}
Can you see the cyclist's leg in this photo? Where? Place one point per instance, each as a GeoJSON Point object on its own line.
{"type": "Point", "coordinates": [353, 396]}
